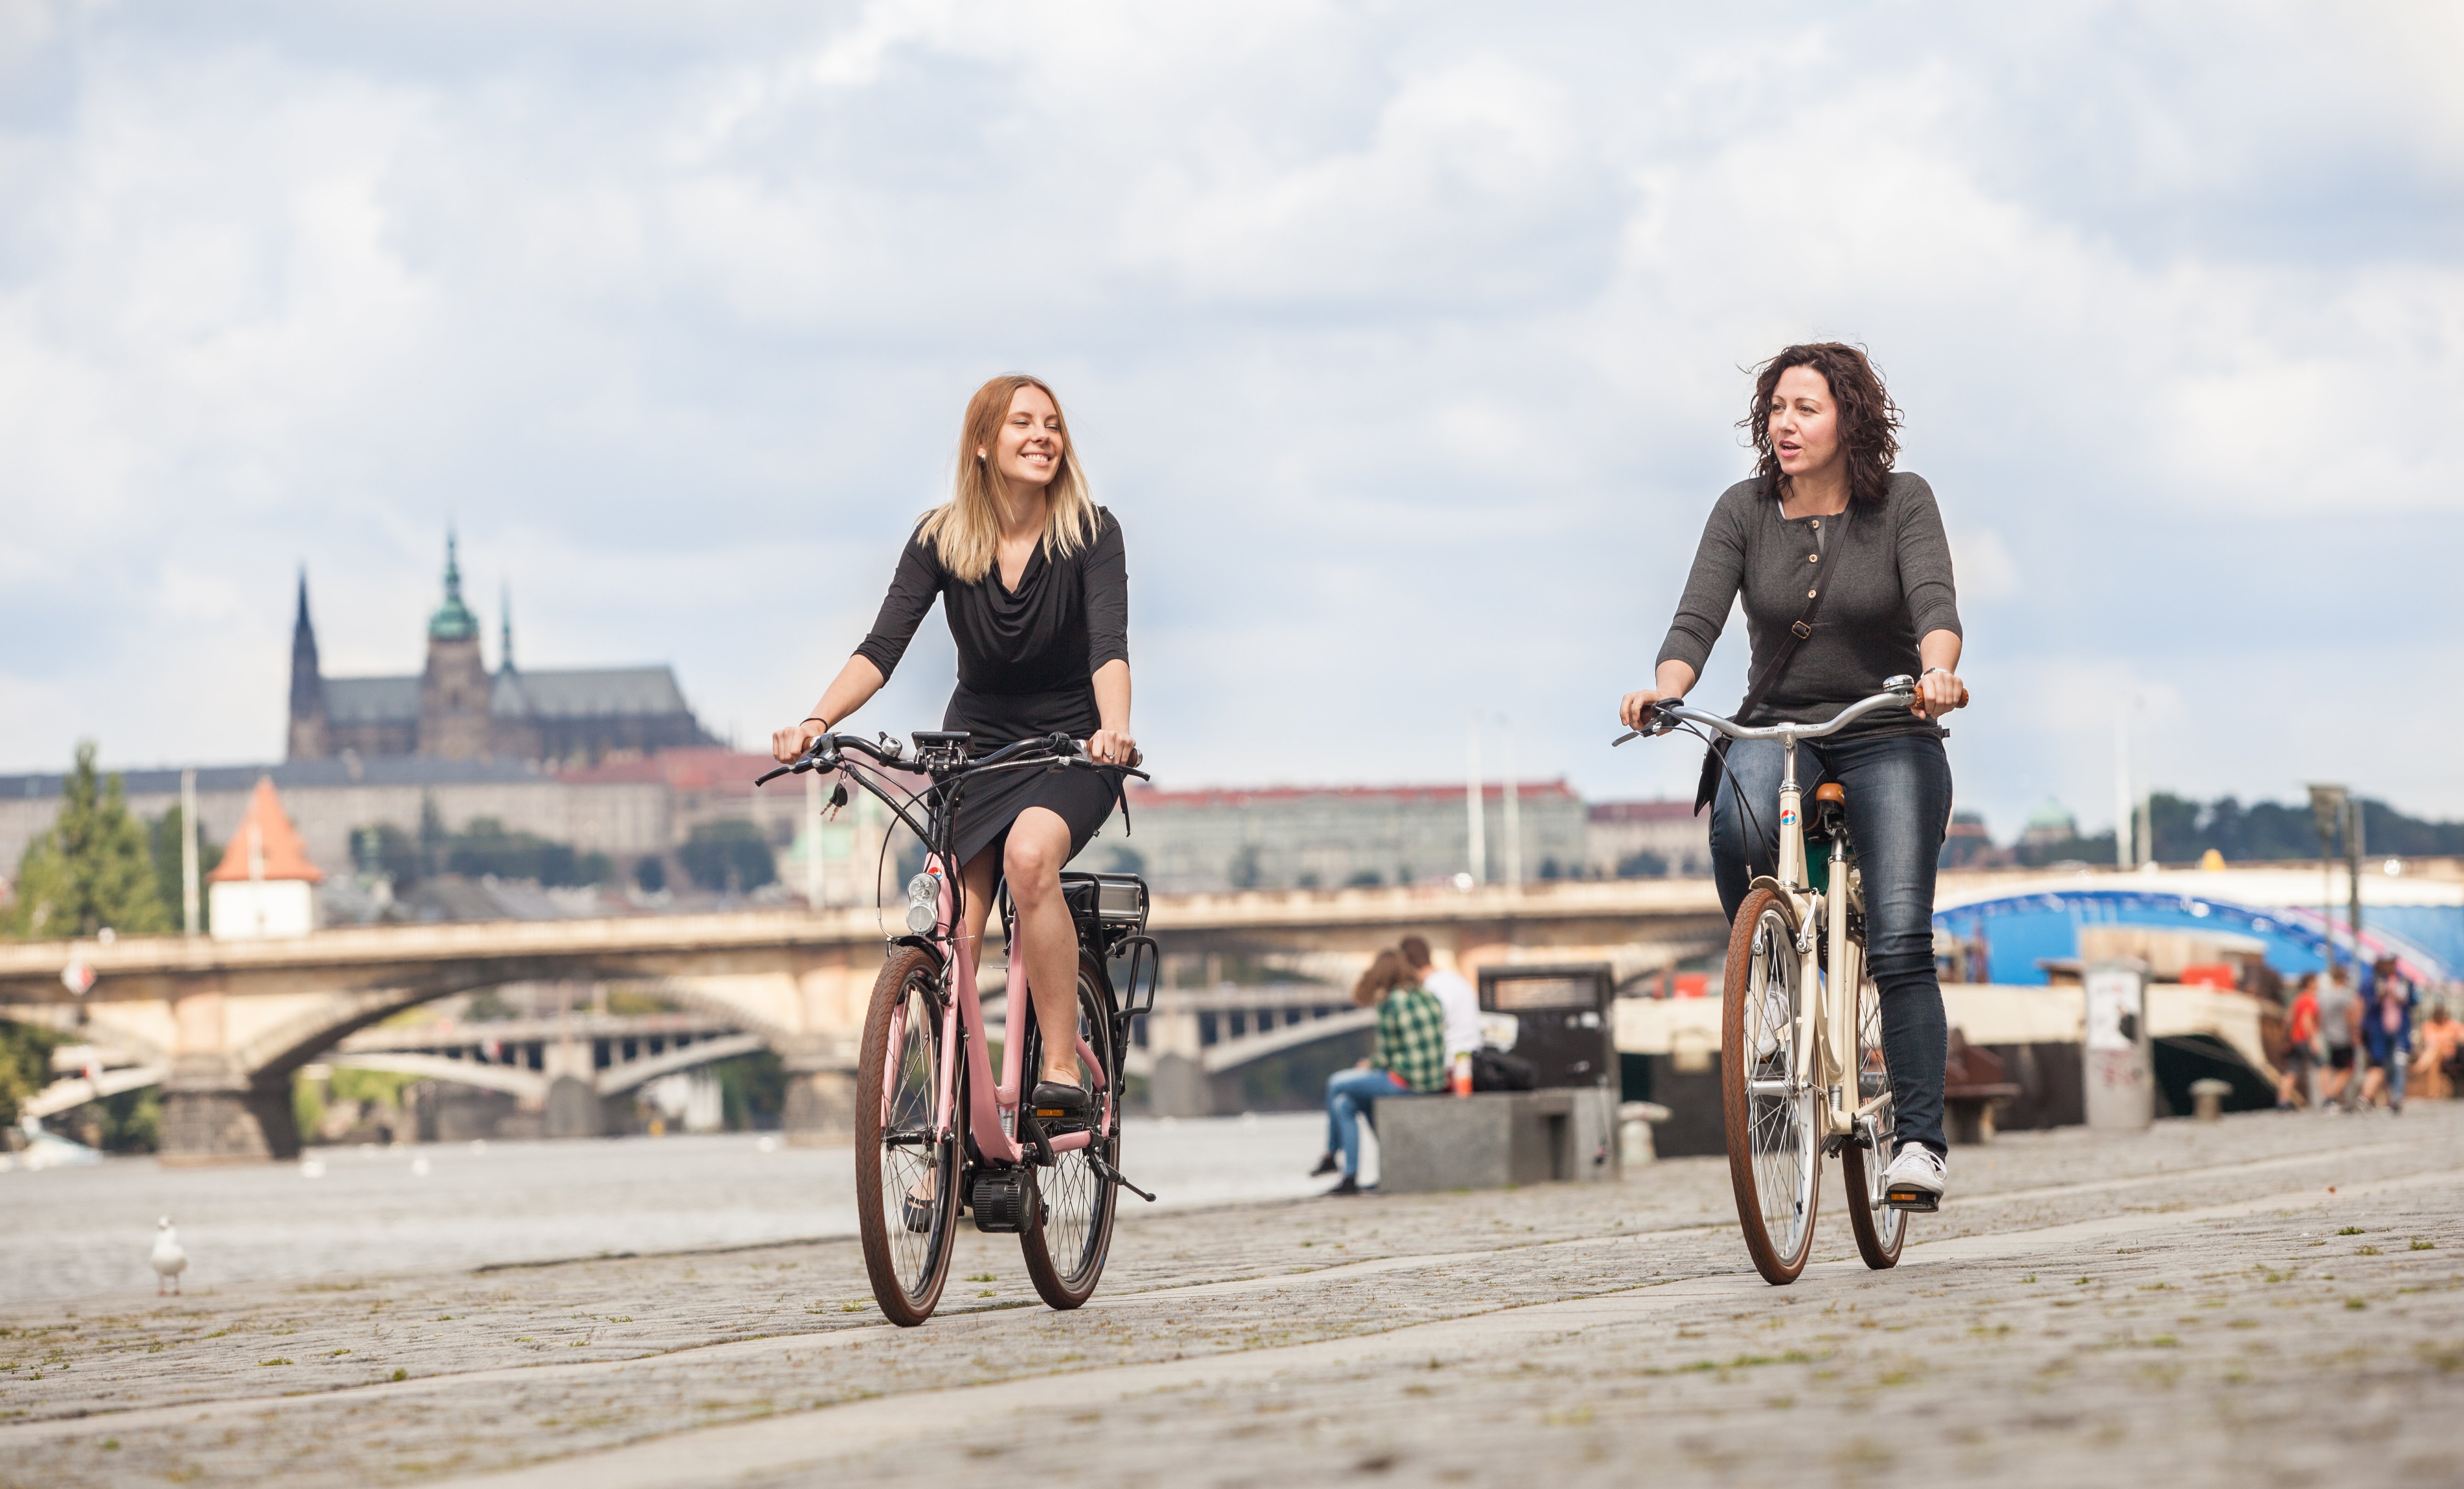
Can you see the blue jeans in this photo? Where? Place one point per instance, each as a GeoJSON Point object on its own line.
{"type": "Point", "coordinates": [1349, 1096]}
{"type": "Point", "coordinates": [1899, 804]}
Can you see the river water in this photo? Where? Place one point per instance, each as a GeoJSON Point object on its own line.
{"type": "Point", "coordinates": [84, 1233]}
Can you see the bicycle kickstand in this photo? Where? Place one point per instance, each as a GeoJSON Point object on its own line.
{"type": "Point", "coordinates": [1117, 1177]}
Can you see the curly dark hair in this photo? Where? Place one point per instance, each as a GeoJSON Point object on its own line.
{"type": "Point", "coordinates": [1869, 422]}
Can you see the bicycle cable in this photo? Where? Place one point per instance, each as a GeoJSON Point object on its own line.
{"type": "Point", "coordinates": [1737, 789]}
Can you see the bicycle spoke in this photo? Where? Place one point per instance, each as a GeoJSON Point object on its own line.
{"type": "Point", "coordinates": [910, 1159]}
{"type": "Point", "coordinates": [1782, 1129]}
{"type": "Point", "coordinates": [1066, 1248]}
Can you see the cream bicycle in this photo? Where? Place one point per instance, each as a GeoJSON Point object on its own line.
{"type": "Point", "coordinates": [1803, 1072]}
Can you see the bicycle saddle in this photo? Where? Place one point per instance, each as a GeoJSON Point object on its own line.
{"type": "Point", "coordinates": [1831, 791]}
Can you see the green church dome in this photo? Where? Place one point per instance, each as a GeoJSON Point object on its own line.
{"type": "Point", "coordinates": [452, 620]}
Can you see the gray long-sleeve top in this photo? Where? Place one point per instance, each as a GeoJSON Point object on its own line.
{"type": "Point", "coordinates": [1888, 582]}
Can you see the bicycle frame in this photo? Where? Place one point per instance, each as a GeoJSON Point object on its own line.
{"type": "Point", "coordinates": [992, 1116]}
{"type": "Point", "coordinates": [1825, 1029]}
{"type": "Point", "coordinates": [992, 1110]}
{"type": "Point", "coordinates": [1826, 1021]}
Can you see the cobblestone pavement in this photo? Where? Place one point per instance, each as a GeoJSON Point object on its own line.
{"type": "Point", "coordinates": [2264, 1300]}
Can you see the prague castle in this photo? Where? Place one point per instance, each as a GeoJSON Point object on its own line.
{"type": "Point", "coordinates": [457, 710]}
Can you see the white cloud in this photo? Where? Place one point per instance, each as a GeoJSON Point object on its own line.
{"type": "Point", "coordinates": [1406, 346]}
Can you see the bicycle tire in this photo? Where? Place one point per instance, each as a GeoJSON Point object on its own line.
{"type": "Point", "coordinates": [1068, 1234]}
{"type": "Point", "coordinates": [895, 1095]}
{"type": "Point", "coordinates": [1774, 1150]}
{"type": "Point", "coordinates": [1880, 1229]}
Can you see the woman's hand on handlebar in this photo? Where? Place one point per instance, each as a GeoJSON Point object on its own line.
{"type": "Point", "coordinates": [789, 743]}
{"type": "Point", "coordinates": [1669, 683]}
{"type": "Point", "coordinates": [1111, 747]}
{"type": "Point", "coordinates": [1634, 710]}
{"type": "Point", "coordinates": [1938, 692]}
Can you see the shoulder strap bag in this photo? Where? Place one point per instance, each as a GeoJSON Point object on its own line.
{"type": "Point", "coordinates": [1715, 759]}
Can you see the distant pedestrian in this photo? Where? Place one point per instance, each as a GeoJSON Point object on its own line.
{"type": "Point", "coordinates": [2439, 1050]}
{"type": "Point", "coordinates": [2386, 1032]}
{"type": "Point", "coordinates": [1453, 993]}
{"type": "Point", "coordinates": [2339, 1011]}
{"type": "Point", "coordinates": [2299, 1085]}
{"type": "Point", "coordinates": [1409, 1060]}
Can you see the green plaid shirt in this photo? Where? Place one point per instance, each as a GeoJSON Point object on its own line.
{"type": "Point", "coordinates": [1412, 1038]}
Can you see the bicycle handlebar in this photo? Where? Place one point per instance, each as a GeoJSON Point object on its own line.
{"type": "Point", "coordinates": [1896, 689]}
{"type": "Point", "coordinates": [824, 751]}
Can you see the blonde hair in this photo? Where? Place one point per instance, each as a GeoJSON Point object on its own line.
{"type": "Point", "coordinates": [965, 531]}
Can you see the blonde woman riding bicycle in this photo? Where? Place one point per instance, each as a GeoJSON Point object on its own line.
{"type": "Point", "coordinates": [1035, 585]}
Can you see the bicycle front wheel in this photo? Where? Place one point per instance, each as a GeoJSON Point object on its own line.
{"type": "Point", "coordinates": [1880, 1228]}
{"type": "Point", "coordinates": [1774, 1146]}
{"type": "Point", "coordinates": [1068, 1235]}
{"type": "Point", "coordinates": [906, 1169]}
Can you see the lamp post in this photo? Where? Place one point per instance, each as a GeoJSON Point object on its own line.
{"type": "Point", "coordinates": [1513, 822]}
{"type": "Point", "coordinates": [1477, 809]}
{"type": "Point", "coordinates": [188, 851]}
{"type": "Point", "coordinates": [2126, 812]}
{"type": "Point", "coordinates": [2330, 809]}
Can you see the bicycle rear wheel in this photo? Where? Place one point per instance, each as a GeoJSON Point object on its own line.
{"type": "Point", "coordinates": [1775, 1150]}
{"type": "Point", "coordinates": [1880, 1229]}
{"type": "Point", "coordinates": [1067, 1237]}
{"type": "Point", "coordinates": [905, 1174]}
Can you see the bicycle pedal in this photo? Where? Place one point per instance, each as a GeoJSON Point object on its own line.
{"type": "Point", "coordinates": [1914, 1200]}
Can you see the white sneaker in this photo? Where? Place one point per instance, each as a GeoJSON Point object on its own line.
{"type": "Point", "coordinates": [1915, 1180]}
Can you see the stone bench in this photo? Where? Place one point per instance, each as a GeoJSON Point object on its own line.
{"type": "Point", "coordinates": [1495, 1140]}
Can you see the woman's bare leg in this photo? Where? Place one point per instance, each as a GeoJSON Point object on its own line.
{"type": "Point", "coordinates": [1047, 945]}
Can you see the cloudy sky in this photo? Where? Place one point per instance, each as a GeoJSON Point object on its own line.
{"type": "Point", "coordinates": [1405, 340]}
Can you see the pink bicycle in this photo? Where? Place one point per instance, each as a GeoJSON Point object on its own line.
{"type": "Point", "coordinates": [936, 1136]}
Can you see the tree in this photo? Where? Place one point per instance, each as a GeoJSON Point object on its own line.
{"type": "Point", "coordinates": [729, 855]}
{"type": "Point", "coordinates": [91, 869]}
{"type": "Point", "coordinates": [163, 845]}
{"type": "Point", "coordinates": [384, 848]}
{"type": "Point", "coordinates": [1641, 863]}
{"type": "Point", "coordinates": [25, 1065]}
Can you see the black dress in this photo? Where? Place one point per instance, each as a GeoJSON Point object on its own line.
{"type": "Point", "coordinates": [1026, 664]}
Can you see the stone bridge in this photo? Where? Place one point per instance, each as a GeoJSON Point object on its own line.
{"type": "Point", "coordinates": [230, 1023]}
{"type": "Point", "coordinates": [565, 1067]}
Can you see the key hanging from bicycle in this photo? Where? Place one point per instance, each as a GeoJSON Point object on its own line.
{"type": "Point", "coordinates": [1803, 1072]}
{"type": "Point", "coordinates": [937, 1133]}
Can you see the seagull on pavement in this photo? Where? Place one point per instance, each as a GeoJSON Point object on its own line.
{"type": "Point", "coordinates": [168, 1260]}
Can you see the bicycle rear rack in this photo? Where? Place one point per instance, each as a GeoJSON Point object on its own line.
{"type": "Point", "coordinates": [1137, 990]}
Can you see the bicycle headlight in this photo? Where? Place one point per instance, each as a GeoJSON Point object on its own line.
{"type": "Point", "coordinates": [923, 902]}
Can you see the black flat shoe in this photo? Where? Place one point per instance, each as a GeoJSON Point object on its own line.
{"type": "Point", "coordinates": [1351, 1185]}
{"type": "Point", "coordinates": [1325, 1165]}
{"type": "Point", "coordinates": [1058, 1100]}
{"type": "Point", "coordinates": [917, 1214]}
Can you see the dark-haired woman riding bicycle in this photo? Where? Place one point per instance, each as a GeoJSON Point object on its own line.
{"type": "Point", "coordinates": [1846, 579]}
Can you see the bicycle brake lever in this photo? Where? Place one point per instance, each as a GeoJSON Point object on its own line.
{"type": "Point", "coordinates": [1631, 734]}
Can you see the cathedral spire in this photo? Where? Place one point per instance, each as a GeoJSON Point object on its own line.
{"type": "Point", "coordinates": [505, 607]}
{"type": "Point", "coordinates": [452, 620]}
{"type": "Point", "coordinates": [307, 732]}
